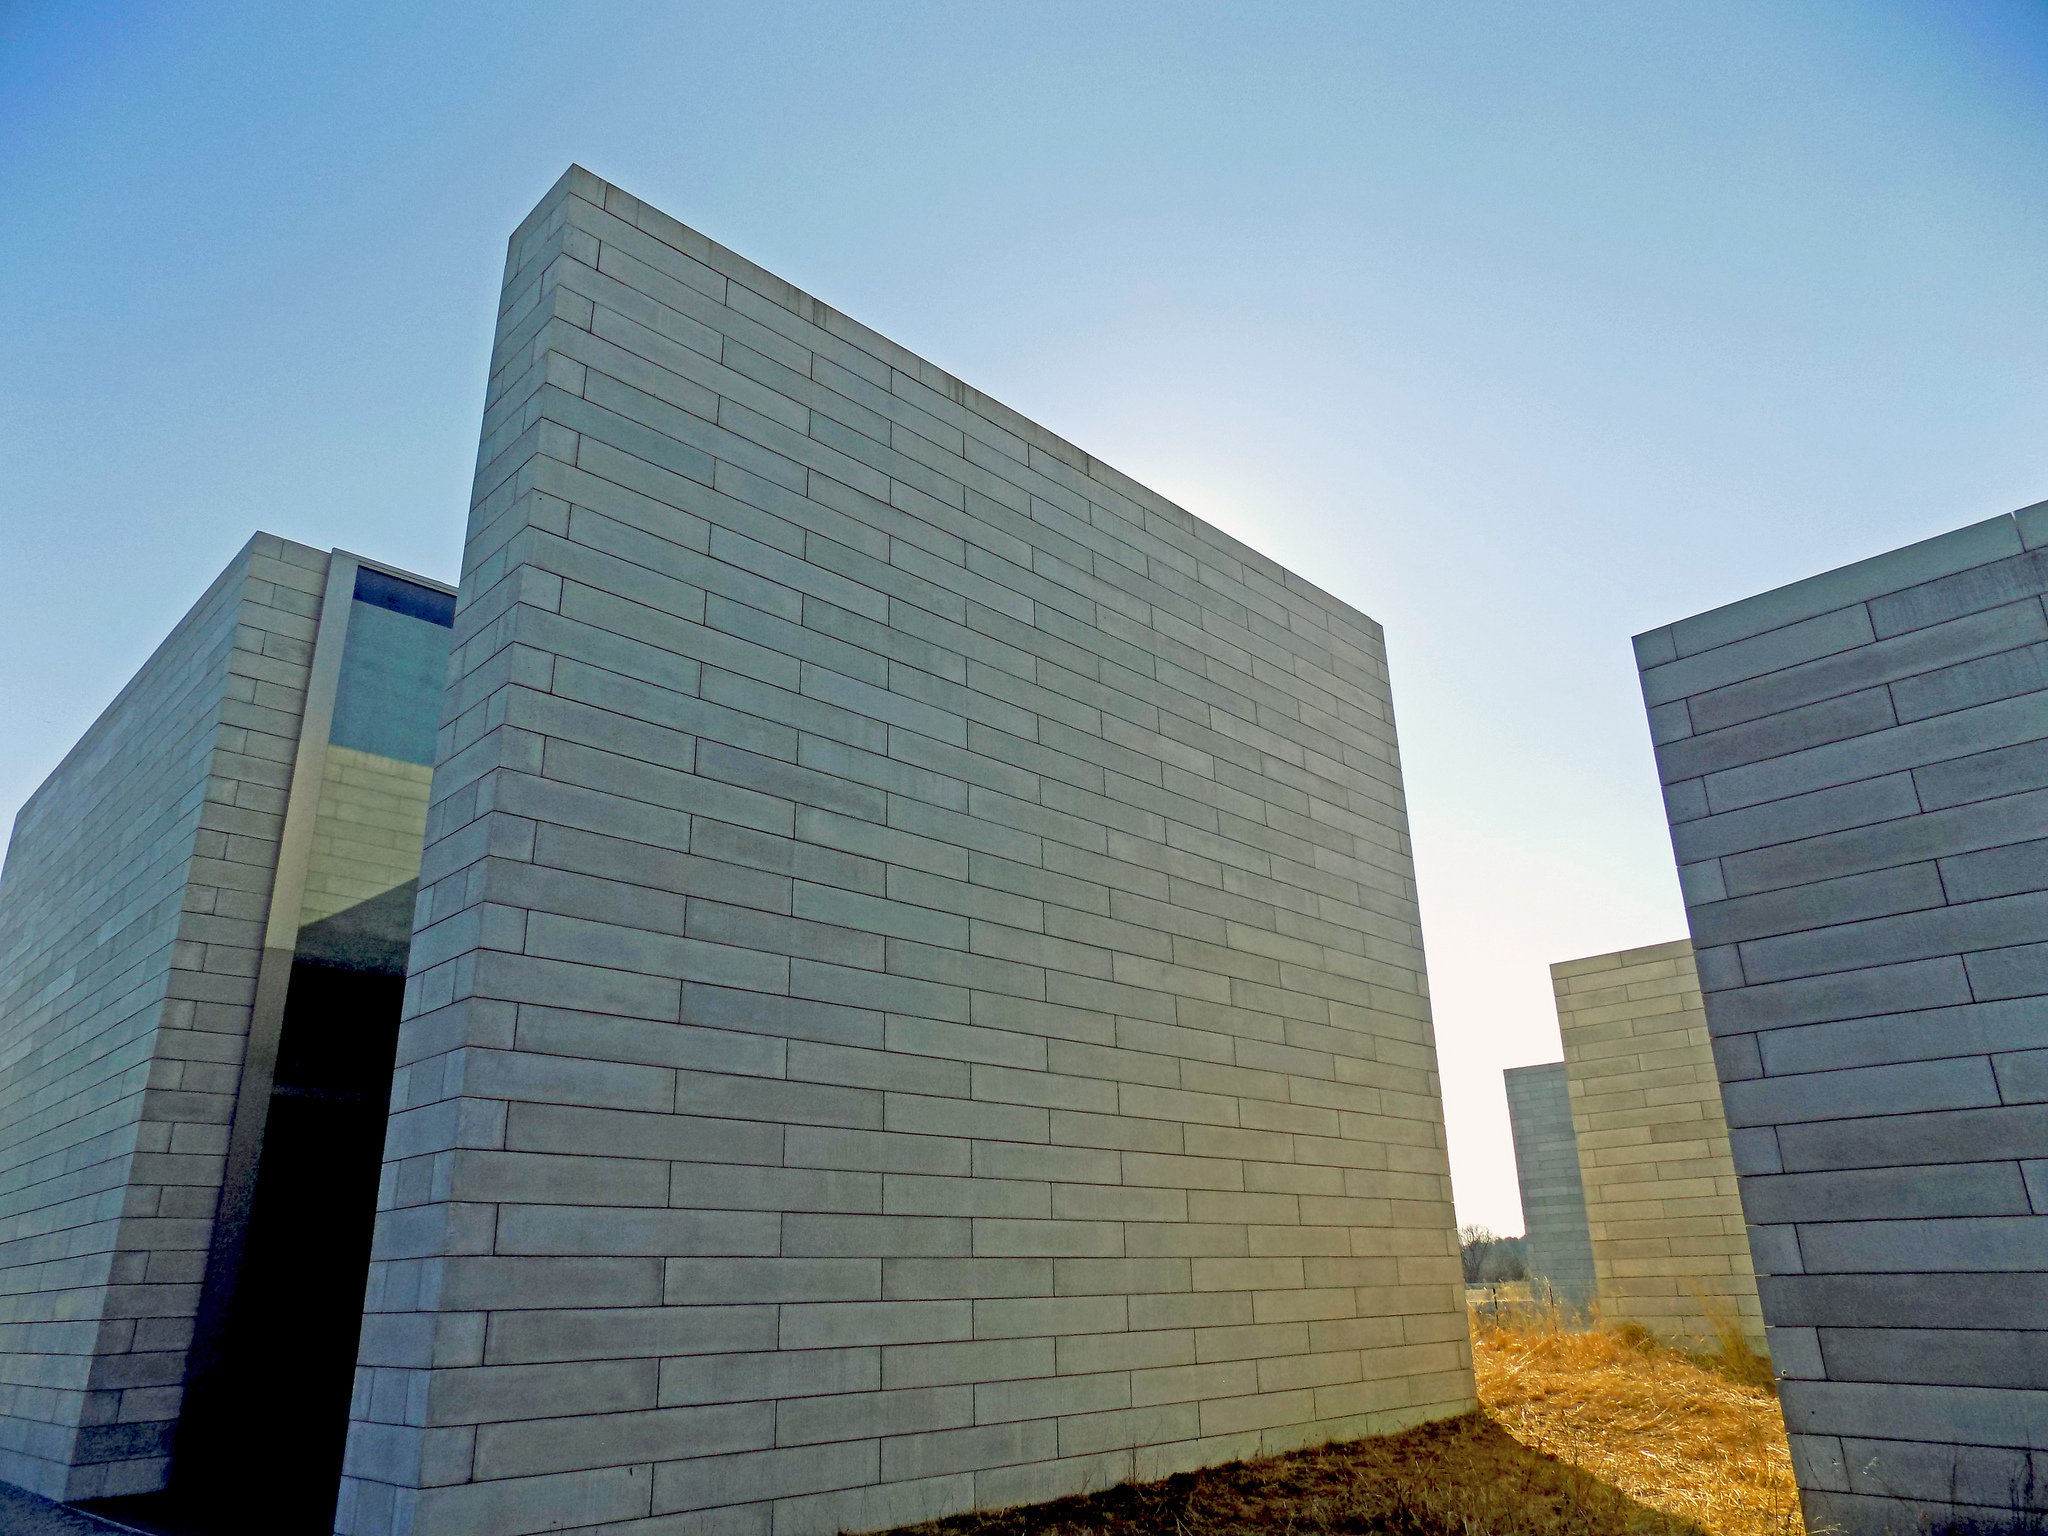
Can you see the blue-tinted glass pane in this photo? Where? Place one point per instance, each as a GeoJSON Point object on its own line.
{"type": "Point", "coordinates": [392, 674]}
{"type": "Point", "coordinates": [407, 597]}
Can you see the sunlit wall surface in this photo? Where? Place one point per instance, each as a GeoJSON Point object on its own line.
{"type": "Point", "coordinates": [918, 1000]}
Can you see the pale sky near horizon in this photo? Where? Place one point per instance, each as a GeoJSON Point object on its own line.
{"type": "Point", "coordinates": [1521, 328]}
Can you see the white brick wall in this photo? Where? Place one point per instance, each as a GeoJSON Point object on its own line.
{"type": "Point", "coordinates": [917, 999]}
{"type": "Point", "coordinates": [131, 919]}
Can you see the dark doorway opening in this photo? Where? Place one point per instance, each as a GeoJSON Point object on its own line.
{"type": "Point", "coordinates": [260, 1445]}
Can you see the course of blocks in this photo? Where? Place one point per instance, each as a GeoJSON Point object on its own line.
{"type": "Point", "coordinates": [917, 1000]}
{"type": "Point", "coordinates": [1669, 1244]}
{"type": "Point", "coordinates": [1856, 771]}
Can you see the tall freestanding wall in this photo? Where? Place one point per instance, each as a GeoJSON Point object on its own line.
{"type": "Point", "coordinates": [1560, 1248]}
{"type": "Point", "coordinates": [1670, 1248]}
{"type": "Point", "coordinates": [203, 927]}
{"type": "Point", "coordinates": [1856, 768]}
{"type": "Point", "coordinates": [917, 999]}
{"type": "Point", "coordinates": [131, 923]}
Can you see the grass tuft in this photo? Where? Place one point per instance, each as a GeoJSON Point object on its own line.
{"type": "Point", "coordinates": [2021, 1522]}
{"type": "Point", "coordinates": [2022, 1516]}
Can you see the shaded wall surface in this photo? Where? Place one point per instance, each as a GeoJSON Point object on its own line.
{"type": "Point", "coordinates": [1670, 1247]}
{"type": "Point", "coordinates": [917, 1000]}
{"type": "Point", "coordinates": [1856, 768]}
{"type": "Point", "coordinates": [132, 911]}
{"type": "Point", "coordinates": [267, 1405]}
{"type": "Point", "coordinates": [1547, 1166]}
{"type": "Point", "coordinates": [205, 914]}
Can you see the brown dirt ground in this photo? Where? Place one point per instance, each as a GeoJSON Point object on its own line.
{"type": "Point", "coordinates": [1458, 1477]}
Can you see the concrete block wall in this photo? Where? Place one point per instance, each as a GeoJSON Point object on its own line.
{"type": "Point", "coordinates": [917, 999]}
{"type": "Point", "coordinates": [131, 918]}
{"type": "Point", "coordinates": [1559, 1242]}
{"type": "Point", "coordinates": [1670, 1248]}
{"type": "Point", "coordinates": [1856, 769]}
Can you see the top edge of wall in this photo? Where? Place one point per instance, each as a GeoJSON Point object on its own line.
{"type": "Point", "coordinates": [258, 545]}
{"type": "Point", "coordinates": [591, 188]}
{"type": "Point", "coordinates": [1620, 959]}
{"type": "Point", "coordinates": [2009, 533]}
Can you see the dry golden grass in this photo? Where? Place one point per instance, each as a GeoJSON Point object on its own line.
{"type": "Point", "coordinates": [1699, 1437]}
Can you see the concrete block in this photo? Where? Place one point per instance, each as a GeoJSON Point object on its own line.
{"type": "Point", "coordinates": [1698, 835]}
{"type": "Point", "coordinates": [1964, 1082]}
{"type": "Point", "coordinates": [709, 1482]}
{"type": "Point", "coordinates": [1970, 1135]}
{"type": "Point", "coordinates": [821, 1419]}
{"type": "Point", "coordinates": [1818, 903]}
{"type": "Point", "coordinates": [2001, 676]}
{"type": "Point", "coordinates": [1757, 655]}
{"type": "Point", "coordinates": [536, 1503]}
{"type": "Point", "coordinates": [1972, 590]}
{"type": "Point", "coordinates": [1958, 1356]}
{"type": "Point", "coordinates": [1963, 1189]}
{"type": "Point", "coordinates": [876, 1507]}
{"type": "Point", "coordinates": [1832, 720]}
{"type": "Point", "coordinates": [2011, 1025]}
{"type": "Point", "coordinates": [1986, 1244]}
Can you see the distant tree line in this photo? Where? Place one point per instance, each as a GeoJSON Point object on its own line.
{"type": "Point", "coordinates": [1490, 1259]}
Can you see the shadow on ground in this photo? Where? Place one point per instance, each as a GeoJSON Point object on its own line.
{"type": "Point", "coordinates": [25, 1514]}
{"type": "Point", "coordinates": [1459, 1477]}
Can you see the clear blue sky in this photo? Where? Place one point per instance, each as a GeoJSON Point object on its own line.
{"type": "Point", "coordinates": [1523, 328]}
